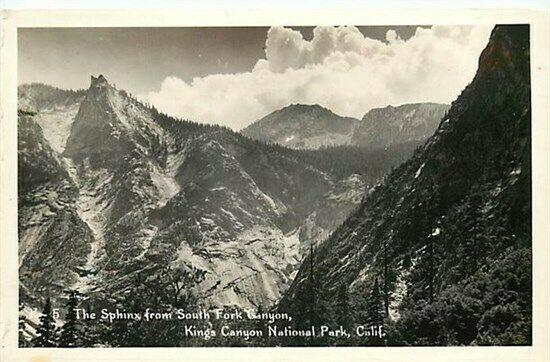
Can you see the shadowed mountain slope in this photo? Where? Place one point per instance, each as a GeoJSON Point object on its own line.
{"type": "Point", "coordinates": [440, 252]}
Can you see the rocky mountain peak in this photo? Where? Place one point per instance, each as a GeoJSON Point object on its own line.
{"type": "Point", "coordinates": [303, 126]}
{"type": "Point", "coordinates": [504, 52]}
{"type": "Point", "coordinates": [110, 125]}
{"type": "Point", "coordinates": [305, 108]}
{"type": "Point", "coordinates": [99, 81]}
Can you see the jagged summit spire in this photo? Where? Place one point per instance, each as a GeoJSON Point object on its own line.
{"type": "Point", "coordinates": [99, 81]}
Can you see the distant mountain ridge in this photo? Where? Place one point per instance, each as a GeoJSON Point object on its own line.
{"type": "Point", "coordinates": [383, 127]}
{"type": "Point", "coordinates": [302, 126]}
{"type": "Point", "coordinates": [38, 96]}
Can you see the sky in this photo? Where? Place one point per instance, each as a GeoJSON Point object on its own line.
{"type": "Point", "coordinates": [234, 76]}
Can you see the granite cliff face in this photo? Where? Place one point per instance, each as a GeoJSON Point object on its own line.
{"type": "Point", "coordinates": [440, 251]}
{"type": "Point", "coordinates": [383, 127]}
{"type": "Point", "coordinates": [52, 236]}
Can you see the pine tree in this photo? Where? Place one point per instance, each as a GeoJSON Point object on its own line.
{"type": "Point", "coordinates": [166, 290]}
{"type": "Point", "coordinates": [306, 306]}
{"type": "Point", "coordinates": [311, 295]}
{"type": "Point", "coordinates": [45, 333]}
{"type": "Point", "coordinates": [375, 313]}
{"type": "Point", "coordinates": [386, 287]}
{"type": "Point", "coordinates": [432, 250]}
{"type": "Point", "coordinates": [261, 324]}
{"type": "Point", "coordinates": [342, 307]}
{"type": "Point", "coordinates": [22, 327]}
{"type": "Point", "coordinates": [70, 332]}
{"type": "Point", "coordinates": [375, 305]}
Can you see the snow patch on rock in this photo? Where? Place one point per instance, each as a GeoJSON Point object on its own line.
{"type": "Point", "coordinates": [419, 171]}
{"type": "Point", "coordinates": [56, 125]}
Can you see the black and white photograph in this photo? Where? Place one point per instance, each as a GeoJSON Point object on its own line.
{"type": "Point", "coordinates": [306, 186]}
{"type": "Point", "coordinates": [283, 186]}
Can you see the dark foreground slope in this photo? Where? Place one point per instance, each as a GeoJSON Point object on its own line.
{"type": "Point", "coordinates": [442, 253]}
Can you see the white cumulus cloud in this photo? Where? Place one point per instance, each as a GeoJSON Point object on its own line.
{"type": "Point", "coordinates": [338, 68]}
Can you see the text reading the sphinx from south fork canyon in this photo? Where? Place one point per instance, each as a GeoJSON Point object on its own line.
{"type": "Point", "coordinates": [272, 329]}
